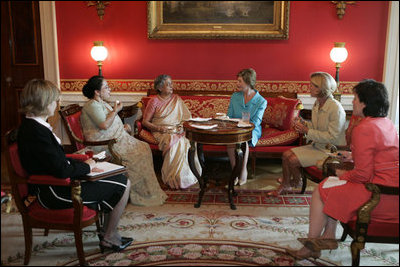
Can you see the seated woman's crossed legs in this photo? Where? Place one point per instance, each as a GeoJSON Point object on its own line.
{"type": "Point", "coordinates": [291, 174]}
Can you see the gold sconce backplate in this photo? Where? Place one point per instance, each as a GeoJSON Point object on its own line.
{"type": "Point", "coordinates": [100, 6]}
{"type": "Point", "coordinates": [341, 7]}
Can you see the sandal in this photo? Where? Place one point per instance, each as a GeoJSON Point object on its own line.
{"type": "Point", "coordinates": [298, 255]}
{"type": "Point", "coordinates": [317, 244]}
{"type": "Point", "coordinates": [280, 191]}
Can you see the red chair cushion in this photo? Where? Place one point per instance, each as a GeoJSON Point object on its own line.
{"type": "Point", "coordinates": [377, 228]}
{"type": "Point", "coordinates": [64, 216]}
{"type": "Point", "coordinates": [314, 172]}
{"type": "Point", "coordinates": [48, 180]}
{"type": "Point", "coordinates": [275, 137]}
{"type": "Point", "coordinates": [147, 136]}
{"type": "Point", "coordinates": [74, 122]}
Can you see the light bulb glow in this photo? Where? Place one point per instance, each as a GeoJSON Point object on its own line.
{"type": "Point", "coordinates": [99, 53]}
{"type": "Point", "coordinates": [339, 53]}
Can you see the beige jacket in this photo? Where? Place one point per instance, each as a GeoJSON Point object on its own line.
{"type": "Point", "coordinates": [327, 124]}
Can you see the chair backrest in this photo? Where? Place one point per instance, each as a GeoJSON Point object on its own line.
{"type": "Point", "coordinates": [17, 174]}
{"type": "Point", "coordinates": [71, 116]}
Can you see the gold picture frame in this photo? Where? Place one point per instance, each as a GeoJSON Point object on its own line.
{"type": "Point", "coordinates": [218, 19]}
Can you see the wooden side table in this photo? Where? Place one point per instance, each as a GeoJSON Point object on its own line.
{"type": "Point", "coordinates": [226, 133]}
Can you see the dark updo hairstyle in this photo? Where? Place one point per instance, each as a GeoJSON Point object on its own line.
{"type": "Point", "coordinates": [375, 97]}
{"type": "Point", "coordinates": [93, 84]}
{"type": "Point", "coordinates": [160, 81]}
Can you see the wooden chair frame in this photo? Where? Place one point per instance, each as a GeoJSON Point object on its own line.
{"type": "Point", "coordinates": [29, 222]}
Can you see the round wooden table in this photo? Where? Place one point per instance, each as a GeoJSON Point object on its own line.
{"type": "Point", "coordinates": [226, 133]}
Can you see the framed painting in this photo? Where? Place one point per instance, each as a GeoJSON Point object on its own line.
{"type": "Point", "coordinates": [218, 19]}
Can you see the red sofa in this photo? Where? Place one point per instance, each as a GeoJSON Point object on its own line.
{"type": "Point", "coordinates": [277, 133]}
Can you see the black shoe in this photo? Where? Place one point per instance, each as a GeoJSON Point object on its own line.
{"type": "Point", "coordinates": [123, 239]}
{"type": "Point", "coordinates": [113, 247]}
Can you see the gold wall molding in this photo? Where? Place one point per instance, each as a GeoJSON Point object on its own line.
{"type": "Point", "coordinates": [122, 85]}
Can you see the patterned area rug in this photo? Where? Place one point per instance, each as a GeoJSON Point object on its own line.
{"type": "Point", "coordinates": [179, 234]}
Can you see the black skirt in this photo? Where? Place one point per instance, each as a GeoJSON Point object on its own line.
{"type": "Point", "coordinates": [100, 195]}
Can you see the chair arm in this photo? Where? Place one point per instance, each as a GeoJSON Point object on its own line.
{"type": "Point", "coordinates": [80, 157]}
{"type": "Point", "coordinates": [48, 180]}
{"type": "Point", "coordinates": [128, 111]}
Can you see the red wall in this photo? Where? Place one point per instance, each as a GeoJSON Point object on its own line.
{"type": "Point", "coordinates": [313, 27]}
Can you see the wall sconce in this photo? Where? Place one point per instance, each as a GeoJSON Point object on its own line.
{"type": "Point", "coordinates": [341, 7]}
{"type": "Point", "coordinates": [100, 6]}
{"type": "Point", "coordinates": [99, 53]}
{"type": "Point", "coordinates": [338, 55]}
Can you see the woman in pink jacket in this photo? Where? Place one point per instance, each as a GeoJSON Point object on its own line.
{"type": "Point", "coordinates": [375, 152]}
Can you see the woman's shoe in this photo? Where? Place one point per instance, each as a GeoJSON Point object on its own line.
{"type": "Point", "coordinates": [280, 191]}
{"type": "Point", "coordinates": [317, 244]}
{"type": "Point", "coordinates": [279, 180]}
{"type": "Point", "coordinates": [303, 254]}
{"type": "Point", "coordinates": [115, 248]}
{"type": "Point", "coordinates": [236, 181]}
{"type": "Point", "coordinates": [242, 181]}
{"type": "Point", "coordinates": [123, 238]}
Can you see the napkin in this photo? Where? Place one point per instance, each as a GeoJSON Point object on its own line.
{"type": "Point", "coordinates": [200, 119]}
{"type": "Point", "coordinates": [204, 127]}
{"type": "Point", "coordinates": [243, 124]}
{"type": "Point", "coordinates": [333, 181]}
{"type": "Point", "coordinates": [101, 155]}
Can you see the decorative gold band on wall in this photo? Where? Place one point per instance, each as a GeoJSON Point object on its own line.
{"type": "Point", "coordinates": [300, 87]}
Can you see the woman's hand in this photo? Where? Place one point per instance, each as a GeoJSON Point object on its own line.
{"type": "Point", "coordinates": [162, 129]}
{"type": "Point", "coordinates": [127, 128]}
{"type": "Point", "coordinates": [340, 172]}
{"type": "Point", "coordinates": [117, 106]}
{"type": "Point", "coordinates": [92, 165]}
{"type": "Point", "coordinates": [345, 156]}
{"type": "Point", "coordinates": [300, 127]}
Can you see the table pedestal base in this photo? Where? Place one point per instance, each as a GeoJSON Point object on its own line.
{"type": "Point", "coordinates": [203, 179]}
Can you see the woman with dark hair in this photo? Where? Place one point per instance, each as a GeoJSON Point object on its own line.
{"type": "Point", "coordinates": [164, 115]}
{"type": "Point", "coordinates": [41, 153]}
{"type": "Point", "coordinates": [247, 100]}
{"type": "Point", "coordinates": [375, 152]}
{"type": "Point", "coordinates": [99, 122]}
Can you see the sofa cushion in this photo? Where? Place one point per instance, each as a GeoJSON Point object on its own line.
{"type": "Point", "coordinates": [275, 137]}
{"type": "Point", "coordinates": [280, 112]}
{"type": "Point", "coordinates": [206, 106]}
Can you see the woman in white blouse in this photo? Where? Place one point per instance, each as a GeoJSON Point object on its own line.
{"type": "Point", "coordinates": [327, 126]}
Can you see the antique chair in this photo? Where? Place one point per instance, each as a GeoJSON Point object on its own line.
{"type": "Point", "coordinates": [71, 117]}
{"type": "Point", "coordinates": [314, 173]}
{"type": "Point", "coordinates": [366, 229]}
{"type": "Point", "coordinates": [33, 214]}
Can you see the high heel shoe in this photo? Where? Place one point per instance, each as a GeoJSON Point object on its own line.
{"type": "Point", "coordinates": [280, 191]}
{"type": "Point", "coordinates": [298, 255]}
{"type": "Point", "coordinates": [123, 238]}
{"type": "Point", "coordinates": [113, 247]}
{"type": "Point", "coordinates": [317, 244]}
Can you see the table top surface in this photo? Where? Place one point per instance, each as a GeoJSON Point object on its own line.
{"type": "Point", "coordinates": [224, 127]}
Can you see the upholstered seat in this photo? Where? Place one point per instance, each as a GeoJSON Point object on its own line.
{"type": "Point", "coordinates": [36, 216]}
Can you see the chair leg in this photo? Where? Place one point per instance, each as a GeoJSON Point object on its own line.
{"type": "Point", "coordinates": [46, 232]}
{"type": "Point", "coordinates": [345, 233]}
{"type": "Point", "coordinates": [79, 246]}
{"type": "Point", "coordinates": [355, 254]}
{"type": "Point", "coordinates": [253, 166]}
{"type": "Point", "coordinates": [303, 187]}
{"type": "Point", "coordinates": [28, 242]}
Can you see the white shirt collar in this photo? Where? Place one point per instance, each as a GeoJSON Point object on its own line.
{"type": "Point", "coordinates": [45, 124]}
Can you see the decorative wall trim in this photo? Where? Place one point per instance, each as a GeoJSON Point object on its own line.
{"type": "Point", "coordinates": [300, 87]}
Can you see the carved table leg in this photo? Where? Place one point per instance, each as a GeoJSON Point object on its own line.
{"type": "Point", "coordinates": [200, 178]}
{"type": "Point", "coordinates": [239, 152]}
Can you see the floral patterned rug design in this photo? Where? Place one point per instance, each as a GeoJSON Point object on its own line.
{"type": "Point", "coordinates": [179, 234]}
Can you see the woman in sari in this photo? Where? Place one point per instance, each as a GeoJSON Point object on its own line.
{"type": "Point", "coordinates": [163, 116]}
{"type": "Point", "coordinates": [99, 122]}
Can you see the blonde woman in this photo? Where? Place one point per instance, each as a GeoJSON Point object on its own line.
{"type": "Point", "coordinates": [327, 126]}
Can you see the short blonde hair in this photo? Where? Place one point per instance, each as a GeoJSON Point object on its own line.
{"type": "Point", "coordinates": [37, 95]}
{"type": "Point", "coordinates": [249, 77]}
{"type": "Point", "coordinates": [325, 82]}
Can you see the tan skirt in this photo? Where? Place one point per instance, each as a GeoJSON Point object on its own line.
{"type": "Point", "coordinates": [308, 155]}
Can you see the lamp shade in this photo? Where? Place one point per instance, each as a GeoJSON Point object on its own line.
{"type": "Point", "coordinates": [339, 53]}
{"type": "Point", "coordinates": [99, 52]}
